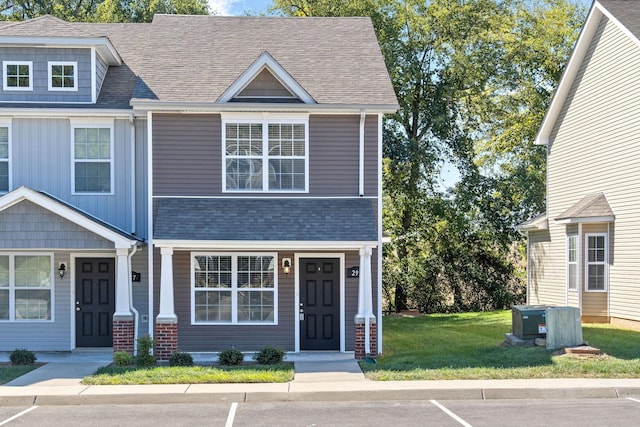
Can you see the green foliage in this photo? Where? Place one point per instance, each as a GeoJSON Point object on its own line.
{"type": "Point", "coordinates": [180, 358]}
{"type": "Point", "coordinates": [269, 355]}
{"type": "Point", "coordinates": [230, 357]}
{"type": "Point", "coordinates": [144, 356]}
{"type": "Point", "coordinates": [22, 356]}
{"type": "Point", "coordinates": [122, 358]}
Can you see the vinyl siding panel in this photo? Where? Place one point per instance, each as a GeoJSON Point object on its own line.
{"type": "Point", "coordinates": [40, 74]}
{"type": "Point", "coordinates": [594, 148]}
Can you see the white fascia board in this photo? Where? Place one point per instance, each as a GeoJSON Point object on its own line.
{"type": "Point", "coordinates": [210, 107]}
{"type": "Point", "coordinates": [569, 75]}
{"type": "Point", "coordinates": [64, 112]}
{"type": "Point", "coordinates": [24, 193]}
{"type": "Point", "coordinates": [587, 220]}
{"type": "Point", "coordinates": [102, 44]}
{"type": "Point", "coordinates": [261, 244]}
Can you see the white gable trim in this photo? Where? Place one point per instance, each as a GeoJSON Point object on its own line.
{"type": "Point", "coordinates": [24, 193]}
{"type": "Point", "coordinates": [577, 56]}
{"type": "Point", "coordinates": [266, 61]}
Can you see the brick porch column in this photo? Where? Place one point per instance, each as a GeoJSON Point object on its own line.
{"type": "Point", "coordinates": [166, 329]}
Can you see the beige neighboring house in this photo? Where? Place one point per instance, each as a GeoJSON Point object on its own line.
{"type": "Point", "coordinates": [584, 251]}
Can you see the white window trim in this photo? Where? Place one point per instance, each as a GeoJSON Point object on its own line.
{"type": "Point", "coordinates": [50, 65]}
{"type": "Point", "coordinates": [234, 288]}
{"type": "Point", "coordinates": [89, 123]}
{"type": "Point", "coordinates": [7, 124]}
{"type": "Point", "coordinates": [605, 262]}
{"type": "Point", "coordinates": [265, 119]}
{"type": "Point", "coordinates": [12, 288]}
{"type": "Point", "coordinates": [576, 263]}
{"type": "Point", "coordinates": [4, 76]}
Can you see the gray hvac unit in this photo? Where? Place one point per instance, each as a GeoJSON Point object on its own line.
{"type": "Point", "coordinates": [529, 322]}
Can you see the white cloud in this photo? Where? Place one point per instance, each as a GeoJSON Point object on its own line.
{"type": "Point", "coordinates": [222, 7]}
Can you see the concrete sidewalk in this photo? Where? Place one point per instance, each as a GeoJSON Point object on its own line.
{"type": "Point", "coordinates": [319, 377]}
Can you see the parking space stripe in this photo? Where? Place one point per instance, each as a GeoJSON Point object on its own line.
{"type": "Point", "coordinates": [635, 400]}
{"type": "Point", "coordinates": [8, 420]}
{"type": "Point", "coordinates": [451, 414]}
{"type": "Point", "coordinates": [232, 414]}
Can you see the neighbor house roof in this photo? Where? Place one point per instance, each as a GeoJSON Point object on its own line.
{"type": "Point", "coordinates": [591, 208]}
{"type": "Point", "coordinates": [623, 13]}
{"type": "Point", "coordinates": [240, 219]}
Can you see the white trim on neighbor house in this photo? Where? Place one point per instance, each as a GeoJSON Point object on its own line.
{"type": "Point", "coordinates": [604, 263]}
{"type": "Point", "coordinates": [77, 123]}
{"type": "Point", "coordinates": [5, 76]}
{"type": "Point", "coordinates": [24, 193]}
{"type": "Point", "coordinates": [266, 61]}
{"type": "Point", "coordinates": [234, 289]}
{"type": "Point", "coordinates": [296, 308]}
{"type": "Point", "coordinates": [63, 64]}
{"type": "Point", "coordinates": [12, 289]}
{"type": "Point", "coordinates": [8, 124]}
{"type": "Point", "coordinates": [264, 120]}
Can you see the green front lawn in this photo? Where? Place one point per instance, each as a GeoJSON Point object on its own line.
{"type": "Point", "coordinates": [470, 346]}
{"type": "Point", "coordinates": [112, 375]}
{"type": "Point", "coordinates": [11, 372]}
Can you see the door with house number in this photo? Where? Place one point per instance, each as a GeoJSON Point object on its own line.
{"type": "Point", "coordinates": [319, 304]}
{"type": "Point", "coordinates": [95, 301]}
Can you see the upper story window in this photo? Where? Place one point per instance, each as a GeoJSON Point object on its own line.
{"type": "Point", "coordinates": [92, 146]}
{"type": "Point", "coordinates": [265, 155]}
{"type": "Point", "coordinates": [26, 291]}
{"type": "Point", "coordinates": [572, 262]}
{"type": "Point", "coordinates": [17, 75]}
{"type": "Point", "coordinates": [63, 76]}
{"type": "Point", "coordinates": [4, 157]}
{"type": "Point", "coordinates": [596, 265]}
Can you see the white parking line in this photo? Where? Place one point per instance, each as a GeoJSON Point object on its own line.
{"type": "Point", "coordinates": [232, 414]}
{"type": "Point", "coordinates": [451, 414]}
{"type": "Point", "coordinates": [635, 400]}
{"type": "Point", "coordinates": [8, 420]}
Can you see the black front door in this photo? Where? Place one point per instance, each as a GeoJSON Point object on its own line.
{"type": "Point", "coordinates": [319, 304]}
{"type": "Point", "coordinates": [95, 301]}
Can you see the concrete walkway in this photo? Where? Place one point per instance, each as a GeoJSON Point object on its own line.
{"type": "Point", "coordinates": [319, 377]}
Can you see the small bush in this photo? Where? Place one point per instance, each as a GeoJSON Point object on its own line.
{"type": "Point", "coordinates": [22, 356]}
{"type": "Point", "coordinates": [269, 355]}
{"type": "Point", "coordinates": [180, 358]}
{"type": "Point", "coordinates": [231, 356]}
{"type": "Point", "coordinates": [144, 357]}
{"type": "Point", "coordinates": [122, 358]}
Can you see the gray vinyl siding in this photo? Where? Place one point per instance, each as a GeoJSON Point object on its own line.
{"type": "Point", "coordinates": [41, 159]}
{"type": "Point", "coordinates": [187, 156]}
{"type": "Point", "coordinates": [594, 148]}
{"type": "Point", "coordinates": [40, 74]}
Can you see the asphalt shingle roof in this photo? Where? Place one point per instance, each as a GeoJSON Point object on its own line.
{"type": "Point", "coordinates": [265, 219]}
{"type": "Point", "coordinates": [591, 206]}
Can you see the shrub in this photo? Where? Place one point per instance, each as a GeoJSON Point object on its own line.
{"type": "Point", "coordinates": [230, 356]}
{"type": "Point", "coordinates": [180, 358]}
{"type": "Point", "coordinates": [22, 356]}
{"type": "Point", "coordinates": [269, 355]}
{"type": "Point", "coordinates": [144, 356]}
{"type": "Point", "coordinates": [122, 358]}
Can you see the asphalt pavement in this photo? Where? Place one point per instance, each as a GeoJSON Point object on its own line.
{"type": "Point", "coordinates": [319, 377]}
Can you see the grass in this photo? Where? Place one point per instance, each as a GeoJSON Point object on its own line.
{"type": "Point", "coordinates": [113, 375]}
{"type": "Point", "coordinates": [469, 346]}
{"type": "Point", "coordinates": [11, 372]}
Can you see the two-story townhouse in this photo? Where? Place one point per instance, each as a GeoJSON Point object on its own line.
{"type": "Point", "coordinates": [72, 186]}
{"type": "Point", "coordinates": [583, 251]}
{"type": "Point", "coordinates": [265, 182]}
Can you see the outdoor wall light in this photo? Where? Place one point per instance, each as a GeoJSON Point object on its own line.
{"type": "Point", "coordinates": [286, 265]}
{"type": "Point", "coordinates": [62, 269]}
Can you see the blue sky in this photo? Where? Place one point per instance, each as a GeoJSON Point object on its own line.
{"type": "Point", "coordinates": [237, 7]}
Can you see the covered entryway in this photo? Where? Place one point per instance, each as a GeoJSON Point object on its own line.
{"type": "Point", "coordinates": [95, 301]}
{"type": "Point", "coordinates": [319, 304]}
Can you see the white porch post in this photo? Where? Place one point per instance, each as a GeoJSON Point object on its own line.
{"type": "Point", "coordinates": [122, 283]}
{"type": "Point", "coordinates": [167, 311]}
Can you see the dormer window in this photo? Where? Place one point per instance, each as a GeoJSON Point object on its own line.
{"type": "Point", "coordinates": [63, 75]}
{"type": "Point", "coordinates": [17, 75]}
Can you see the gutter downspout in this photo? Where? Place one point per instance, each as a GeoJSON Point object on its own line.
{"type": "Point", "coordinates": [131, 306]}
{"type": "Point", "coordinates": [132, 126]}
{"type": "Point", "coordinates": [361, 165]}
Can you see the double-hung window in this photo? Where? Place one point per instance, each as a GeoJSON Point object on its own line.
{"type": "Point", "coordinates": [234, 289]}
{"type": "Point", "coordinates": [572, 262]}
{"type": "Point", "coordinates": [92, 148]}
{"type": "Point", "coordinates": [265, 155]}
{"type": "Point", "coordinates": [596, 262]}
{"type": "Point", "coordinates": [26, 287]}
{"type": "Point", "coordinates": [63, 76]}
{"type": "Point", "coordinates": [17, 75]}
{"type": "Point", "coordinates": [5, 136]}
